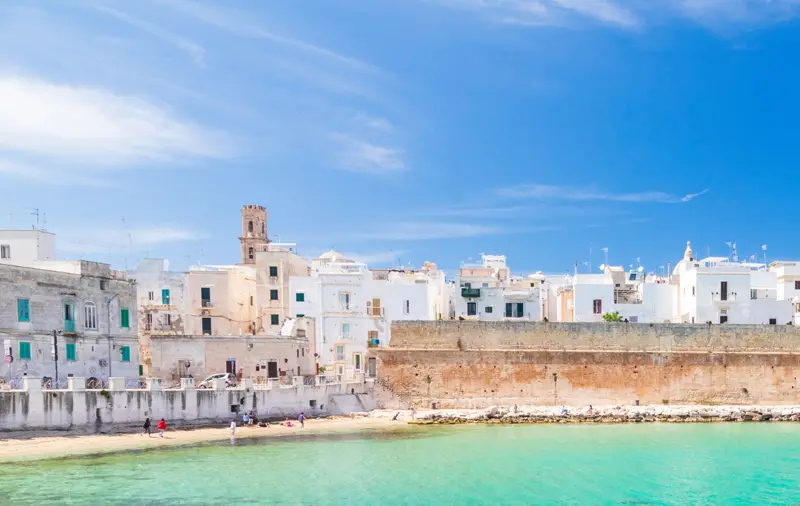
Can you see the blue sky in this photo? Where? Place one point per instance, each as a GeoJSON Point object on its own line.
{"type": "Point", "coordinates": [410, 130]}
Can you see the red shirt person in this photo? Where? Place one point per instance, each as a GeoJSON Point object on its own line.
{"type": "Point", "coordinates": [162, 426]}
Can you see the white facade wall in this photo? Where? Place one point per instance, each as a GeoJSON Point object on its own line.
{"type": "Point", "coordinates": [343, 331]}
{"type": "Point", "coordinates": [26, 247]}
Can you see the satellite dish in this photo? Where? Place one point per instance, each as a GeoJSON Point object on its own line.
{"type": "Point", "coordinates": [640, 269]}
{"type": "Point", "coordinates": [602, 267]}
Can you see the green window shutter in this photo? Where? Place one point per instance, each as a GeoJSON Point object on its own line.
{"type": "Point", "coordinates": [24, 350]}
{"type": "Point", "coordinates": [273, 295]}
{"type": "Point", "coordinates": [124, 319]}
{"type": "Point", "coordinates": [126, 353]}
{"type": "Point", "coordinates": [508, 310]}
{"type": "Point", "coordinates": [300, 315]}
{"type": "Point", "coordinates": [300, 297]}
{"type": "Point", "coordinates": [23, 310]}
{"type": "Point", "coordinates": [274, 319]}
{"type": "Point", "coordinates": [520, 309]}
{"type": "Point", "coordinates": [273, 271]}
{"type": "Point", "coordinates": [205, 293]}
{"type": "Point", "coordinates": [165, 296]}
{"type": "Point", "coordinates": [141, 370]}
{"type": "Point", "coordinates": [71, 351]}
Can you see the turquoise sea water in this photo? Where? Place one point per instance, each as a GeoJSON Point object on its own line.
{"type": "Point", "coordinates": [621, 464]}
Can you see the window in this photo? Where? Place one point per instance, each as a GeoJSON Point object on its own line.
{"type": "Point", "coordinates": [149, 320]}
{"type": "Point", "coordinates": [301, 332]}
{"type": "Point", "coordinates": [90, 323]}
{"type": "Point", "coordinates": [797, 285]}
{"type": "Point", "coordinates": [632, 276]}
{"type": "Point", "coordinates": [299, 315]}
{"type": "Point", "coordinates": [773, 321]}
{"type": "Point", "coordinates": [250, 253]}
{"type": "Point", "coordinates": [467, 285]}
{"type": "Point", "coordinates": [753, 294]}
{"type": "Point", "coordinates": [69, 313]}
{"type": "Point", "coordinates": [344, 301]}
{"type": "Point", "coordinates": [485, 285]}
{"type": "Point", "coordinates": [205, 296]}
{"type": "Point", "coordinates": [723, 318]}
{"type": "Point", "coordinates": [340, 352]}
{"type": "Point", "coordinates": [274, 319]}
{"type": "Point", "coordinates": [150, 296]}
{"type": "Point", "coordinates": [24, 350]}
{"type": "Point", "coordinates": [633, 319]}
{"type": "Point", "coordinates": [357, 361]}
{"type": "Point", "coordinates": [472, 308]}
{"type": "Point", "coordinates": [168, 320]}
{"type": "Point", "coordinates": [723, 290]}
{"type": "Point", "coordinates": [23, 310]}
{"type": "Point", "coordinates": [298, 353]}
{"type": "Point", "coordinates": [103, 284]}
{"type": "Point", "coordinates": [693, 291]}
{"type": "Point", "coordinates": [300, 297]}
{"type": "Point", "coordinates": [250, 226]}
{"type": "Point", "coordinates": [406, 307]}
{"type": "Point", "coordinates": [206, 326]}
{"type": "Point", "coordinates": [124, 319]}
{"type": "Point", "coordinates": [273, 271]}
{"type": "Point", "coordinates": [597, 306]}
{"type": "Point", "coordinates": [273, 295]}
{"type": "Point", "coordinates": [126, 353]}
{"type": "Point", "coordinates": [374, 307]}
{"type": "Point", "coordinates": [488, 309]}
{"type": "Point", "coordinates": [165, 296]}
{"type": "Point", "coordinates": [515, 309]}
{"type": "Point", "coordinates": [797, 308]}
{"type": "Point", "coordinates": [5, 251]}
{"type": "Point", "coordinates": [372, 337]}
{"type": "Point", "coordinates": [71, 355]}
{"type": "Point", "coordinates": [345, 331]}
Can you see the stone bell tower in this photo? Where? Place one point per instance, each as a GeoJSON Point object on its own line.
{"type": "Point", "coordinates": [254, 232]}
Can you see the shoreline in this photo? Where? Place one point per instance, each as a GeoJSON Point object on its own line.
{"type": "Point", "coordinates": [47, 446]}
{"type": "Point", "coordinates": [608, 414]}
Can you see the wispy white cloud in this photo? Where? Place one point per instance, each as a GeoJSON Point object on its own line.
{"type": "Point", "coordinates": [428, 230]}
{"type": "Point", "coordinates": [116, 240]}
{"type": "Point", "coordinates": [234, 22]}
{"type": "Point", "coordinates": [193, 50]}
{"type": "Point", "coordinates": [358, 155]}
{"type": "Point", "coordinates": [377, 257]}
{"type": "Point", "coordinates": [552, 192]}
{"type": "Point", "coordinates": [86, 129]}
{"type": "Point", "coordinates": [550, 12]}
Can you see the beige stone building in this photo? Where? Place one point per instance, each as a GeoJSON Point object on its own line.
{"type": "Point", "coordinates": [287, 353]}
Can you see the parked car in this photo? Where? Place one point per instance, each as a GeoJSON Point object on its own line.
{"type": "Point", "coordinates": [230, 380]}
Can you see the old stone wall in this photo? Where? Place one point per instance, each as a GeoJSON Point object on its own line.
{"type": "Point", "coordinates": [478, 364]}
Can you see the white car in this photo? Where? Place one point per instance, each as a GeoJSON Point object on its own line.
{"type": "Point", "coordinates": [230, 380]}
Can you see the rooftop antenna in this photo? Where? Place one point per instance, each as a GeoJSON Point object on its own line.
{"type": "Point", "coordinates": [35, 212]}
{"type": "Point", "coordinates": [605, 256]}
{"type": "Point", "coordinates": [764, 249]}
{"type": "Point", "coordinates": [730, 249]}
{"type": "Point", "coordinates": [590, 257]}
{"type": "Point", "coordinates": [735, 253]}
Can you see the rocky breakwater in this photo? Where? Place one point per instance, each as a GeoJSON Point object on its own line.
{"type": "Point", "coordinates": [610, 414]}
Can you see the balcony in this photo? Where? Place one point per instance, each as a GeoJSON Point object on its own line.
{"type": "Point", "coordinates": [716, 297]}
{"type": "Point", "coordinates": [69, 326]}
{"type": "Point", "coordinates": [375, 312]}
{"type": "Point", "coordinates": [470, 293]}
{"type": "Point", "coordinates": [206, 303]}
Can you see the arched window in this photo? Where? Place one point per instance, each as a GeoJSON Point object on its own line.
{"type": "Point", "coordinates": [263, 229]}
{"type": "Point", "coordinates": [250, 226]}
{"type": "Point", "coordinates": [90, 311]}
{"type": "Point", "coordinates": [250, 253]}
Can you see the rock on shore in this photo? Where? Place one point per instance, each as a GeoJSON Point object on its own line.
{"type": "Point", "coordinates": [602, 414]}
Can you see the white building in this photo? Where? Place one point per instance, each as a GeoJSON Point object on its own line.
{"type": "Point", "coordinates": [26, 247]}
{"type": "Point", "coordinates": [488, 292]}
{"type": "Point", "coordinates": [717, 290]}
{"type": "Point", "coordinates": [354, 307]}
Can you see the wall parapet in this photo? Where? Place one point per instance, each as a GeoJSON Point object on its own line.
{"type": "Point", "coordinates": [602, 336]}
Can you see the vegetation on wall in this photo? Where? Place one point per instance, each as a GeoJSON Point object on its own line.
{"type": "Point", "coordinates": [612, 317]}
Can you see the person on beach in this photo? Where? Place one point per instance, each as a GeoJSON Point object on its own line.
{"type": "Point", "coordinates": [233, 427]}
{"type": "Point", "coordinates": [246, 419]}
{"type": "Point", "coordinates": [162, 427]}
{"type": "Point", "coordinates": [147, 427]}
{"type": "Point", "coordinates": [302, 420]}
{"type": "Point", "coordinates": [591, 410]}
{"type": "Point", "coordinates": [394, 418]}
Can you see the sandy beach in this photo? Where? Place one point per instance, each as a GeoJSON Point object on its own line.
{"type": "Point", "coordinates": [35, 448]}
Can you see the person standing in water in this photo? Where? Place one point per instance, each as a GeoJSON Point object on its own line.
{"type": "Point", "coordinates": [302, 420]}
{"type": "Point", "coordinates": [162, 427]}
{"type": "Point", "coordinates": [147, 427]}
